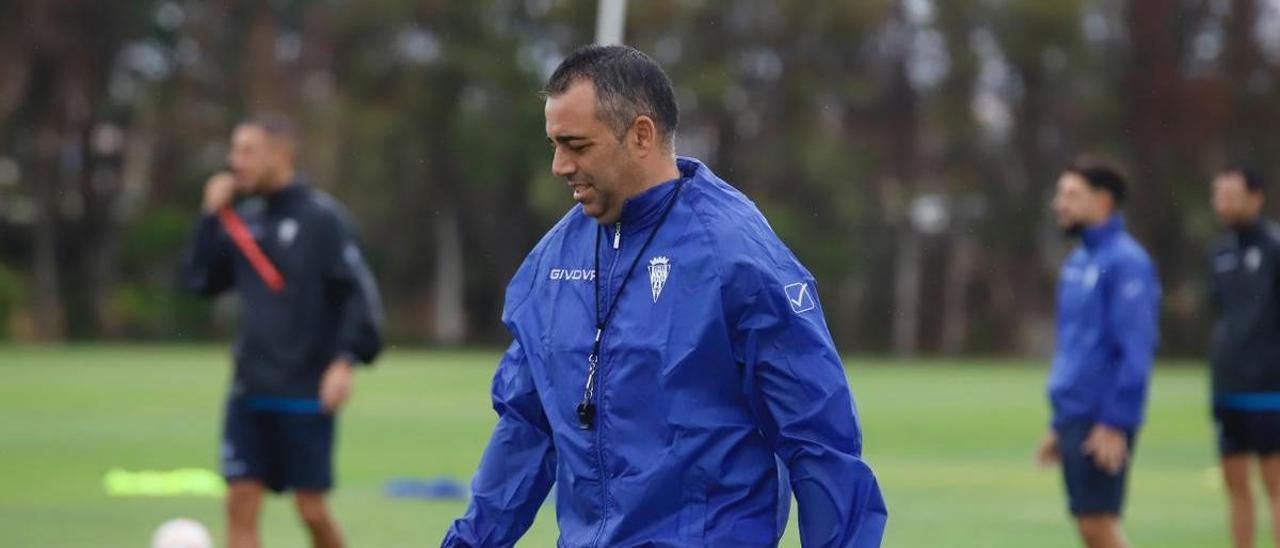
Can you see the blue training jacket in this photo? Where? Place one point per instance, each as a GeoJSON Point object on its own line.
{"type": "Point", "coordinates": [719, 388]}
{"type": "Point", "coordinates": [1108, 314]}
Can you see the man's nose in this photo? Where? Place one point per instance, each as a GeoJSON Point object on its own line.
{"type": "Point", "coordinates": [561, 166]}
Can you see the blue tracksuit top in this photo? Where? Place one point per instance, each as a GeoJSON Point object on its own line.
{"type": "Point", "coordinates": [719, 389]}
{"type": "Point", "coordinates": [1108, 314]}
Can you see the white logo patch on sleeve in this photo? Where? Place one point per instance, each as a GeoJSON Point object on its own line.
{"type": "Point", "coordinates": [1132, 289]}
{"type": "Point", "coordinates": [799, 297]}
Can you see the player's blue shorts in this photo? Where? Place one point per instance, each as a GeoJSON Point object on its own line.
{"type": "Point", "coordinates": [1090, 489]}
{"type": "Point", "coordinates": [286, 443]}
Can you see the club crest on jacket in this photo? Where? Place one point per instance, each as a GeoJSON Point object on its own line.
{"type": "Point", "coordinates": [659, 271]}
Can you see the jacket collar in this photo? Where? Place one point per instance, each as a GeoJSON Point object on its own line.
{"type": "Point", "coordinates": [644, 209]}
{"type": "Point", "coordinates": [1097, 235]}
{"type": "Point", "coordinates": [290, 193]}
{"type": "Point", "coordinates": [1250, 232]}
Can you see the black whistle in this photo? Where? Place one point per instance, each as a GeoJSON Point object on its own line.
{"type": "Point", "coordinates": [586, 415]}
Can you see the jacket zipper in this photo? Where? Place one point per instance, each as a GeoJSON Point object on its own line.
{"type": "Point", "coordinates": [610, 295]}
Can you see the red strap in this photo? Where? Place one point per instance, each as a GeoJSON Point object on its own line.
{"type": "Point", "coordinates": [243, 239]}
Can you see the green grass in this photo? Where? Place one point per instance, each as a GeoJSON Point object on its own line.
{"type": "Point", "coordinates": [951, 443]}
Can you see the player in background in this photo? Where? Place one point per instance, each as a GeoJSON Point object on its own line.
{"type": "Point", "coordinates": [309, 312]}
{"type": "Point", "coordinates": [1245, 356]}
{"type": "Point", "coordinates": [1107, 328]}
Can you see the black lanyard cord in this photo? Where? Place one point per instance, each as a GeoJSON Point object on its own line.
{"type": "Point", "coordinates": [586, 409]}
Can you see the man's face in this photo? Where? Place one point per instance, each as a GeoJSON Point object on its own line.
{"type": "Point", "coordinates": [588, 155]}
{"type": "Point", "coordinates": [255, 159]}
{"type": "Point", "coordinates": [1076, 205]}
{"type": "Point", "coordinates": [1233, 202]}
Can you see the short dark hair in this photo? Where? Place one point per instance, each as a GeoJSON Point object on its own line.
{"type": "Point", "coordinates": [276, 124]}
{"type": "Point", "coordinates": [1101, 175]}
{"type": "Point", "coordinates": [628, 84]}
{"type": "Point", "coordinates": [1253, 181]}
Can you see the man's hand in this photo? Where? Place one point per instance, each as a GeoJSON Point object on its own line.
{"type": "Point", "coordinates": [1108, 447]}
{"type": "Point", "coordinates": [335, 386]}
{"type": "Point", "coordinates": [219, 191]}
{"type": "Point", "coordinates": [1047, 452]}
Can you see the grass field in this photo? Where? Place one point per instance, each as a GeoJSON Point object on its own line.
{"type": "Point", "coordinates": [951, 443]}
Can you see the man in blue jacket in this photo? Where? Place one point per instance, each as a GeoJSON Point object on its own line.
{"type": "Point", "coordinates": [671, 371]}
{"type": "Point", "coordinates": [1108, 305]}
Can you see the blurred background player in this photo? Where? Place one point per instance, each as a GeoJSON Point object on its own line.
{"type": "Point", "coordinates": [309, 312]}
{"type": "Point", "coordinates": [1108, 305]}
{"type": "Point", "coordinates": [1245, 357]}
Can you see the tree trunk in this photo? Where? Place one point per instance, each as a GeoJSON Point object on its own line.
{"type": "Point", "coordinates": [450, 323]}
{"type": "Point", "coordinates": [955, 306]}
{"type": "Point", "coordinates": [46, 300]}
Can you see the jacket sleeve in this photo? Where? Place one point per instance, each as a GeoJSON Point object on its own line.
{"type": "Point", "coordinates": [802, 399]}
{"type": "Point", "coordinates": [1133, 304]}
{"type": "Point", "coordinates": [356, 296]}
{"type": "Point", "coordinates": [518, 467]}
{"type": "Point", "coordinates": [206, 267]}
{"type": "Point", "coordinates": [1214, 285]}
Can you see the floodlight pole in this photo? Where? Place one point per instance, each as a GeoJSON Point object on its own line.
{"type": "Point", "coordinates": [611, 19]}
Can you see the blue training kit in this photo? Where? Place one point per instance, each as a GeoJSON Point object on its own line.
{"type": "Point", "coordinates": [717, 389]}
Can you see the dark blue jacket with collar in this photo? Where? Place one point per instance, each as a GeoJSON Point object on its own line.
{"type": "Point", "coordinates": [329, 307]}
{"type": "Point", "coordinates": [1245, 283]}
{"type": "Point", "coordinates": [1108, 327]}
{"type": "Point", "coordinates": [719, 388]}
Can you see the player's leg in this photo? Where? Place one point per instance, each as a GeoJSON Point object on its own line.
{"type": "Point", "coordinates": [1095, 496]}
{"type": "Point", "coordinates": [1237, 437]}
{"type": "Point", "coordinates": [244, 467]}
{"type": "Point", "coordinates": [314, 512]}
{"type": "Point", "coordinates": [1235, 475]}
{"type": "Point", "coordinates": [307, 447]}
{"type": "Point", "coordinates": [1101, 531]}
{"type": "Point", "coordinates": [1270, 465]}
{"type": "Point", "coordinates": [244, 500]}
{"type": "Point", "coordinates": [1263, 439]}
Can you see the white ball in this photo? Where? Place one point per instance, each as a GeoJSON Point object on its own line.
{"type": "Point", "coordinates": [181, 533]}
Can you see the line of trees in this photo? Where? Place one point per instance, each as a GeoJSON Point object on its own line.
{"type": "Point", "coordinates": [905, 149]}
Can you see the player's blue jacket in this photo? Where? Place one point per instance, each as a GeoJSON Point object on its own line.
{"type": "Point", "coordinates": [1108, 314]}
{"type": "Point", "coordinates": [718, 379]}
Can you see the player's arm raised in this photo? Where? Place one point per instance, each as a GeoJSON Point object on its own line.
{"type": "Point", "coordinates": [205, 267]}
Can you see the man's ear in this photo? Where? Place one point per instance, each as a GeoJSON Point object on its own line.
{"type": "Point", "coordinates": [1110, 203]}
{"type": "Point", "coordinates": [644, 134]}
{"type": "Point", "coordinates": [1258, 199]}
{"type": "Point", "coordinates": [282, 147]}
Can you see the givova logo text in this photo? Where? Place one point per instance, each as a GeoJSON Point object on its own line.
{"type": "Point", "coordinates": [573, 274]}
